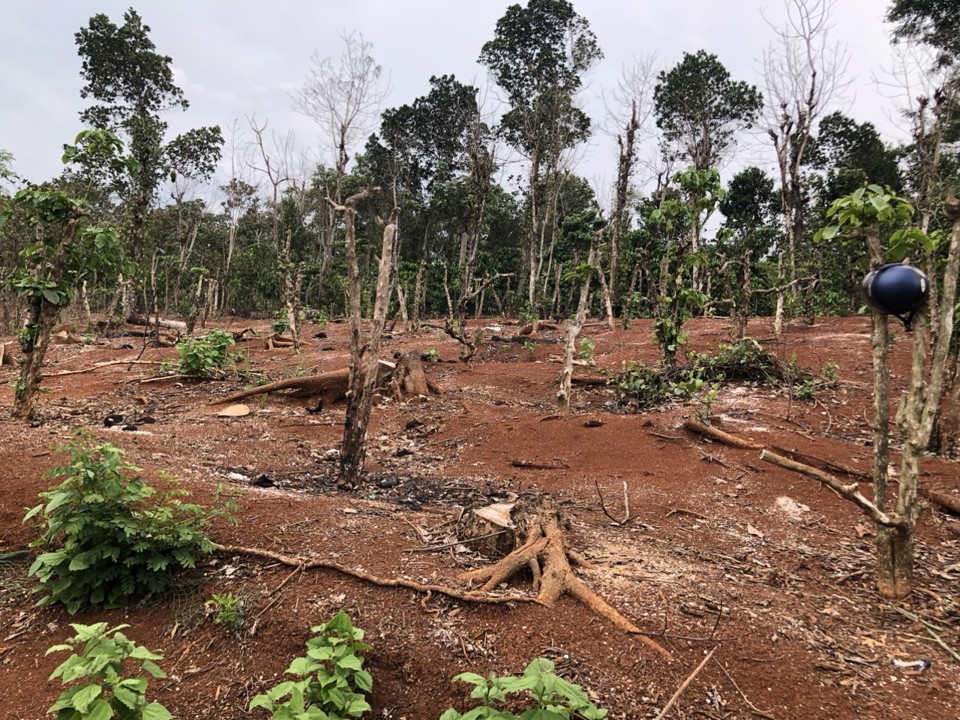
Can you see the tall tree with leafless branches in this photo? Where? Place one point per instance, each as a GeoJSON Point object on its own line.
{"type": "Point", "coordinates": [343, 96]}
{"type": "Point", "coordinates": [803, 72]}
{"type": "Point", "coordinates": [629, 107]}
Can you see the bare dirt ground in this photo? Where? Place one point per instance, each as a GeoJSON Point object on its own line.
{"type": "Point", "coordinates": [721, 551]}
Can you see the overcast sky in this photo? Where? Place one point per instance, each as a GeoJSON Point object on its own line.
{"type": "Point", "coordinates": [236, 59]}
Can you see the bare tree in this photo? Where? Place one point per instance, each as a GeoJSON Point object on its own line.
{"type": "Point", "coordinates": [803, 73]}
{"type": "Point", "coordinates": [343, 97]}
{"type": "Point", "coordinates": [277, 166]}
{"type": "Point", "coordinates": [628, 109]}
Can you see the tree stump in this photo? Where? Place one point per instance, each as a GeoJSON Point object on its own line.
{"type": "Point", "coordinates": [488, 529]}
{"type": "Point", "coordinates": [409, 379]}
{"type": "Point", "coordinates": [540, 546]}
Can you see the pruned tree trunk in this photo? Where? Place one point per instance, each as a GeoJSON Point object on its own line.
{"type": "Point", "coordinates": [573, 329]}
{"type": "Point", "coordinates": [43, 319]}
{"type": "Point", "coordinates": [360, 396]}
{"type": "Point", "coordinates": [915, 421]}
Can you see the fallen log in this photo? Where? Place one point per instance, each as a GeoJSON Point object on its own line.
{"type": "Point", "coordinates": [332, 385]}
{"type": "Point", "coordinates": [108, 363]}
{"type": "Point", "coordinates": [720, 436]}
{"type": "Point", "coordinates": [540, 546]}
{"type": "Point", "coordinates": [179, 325]}
{"type": "Point", "coordinates": [952, 504]}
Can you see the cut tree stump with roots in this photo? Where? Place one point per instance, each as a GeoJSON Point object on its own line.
{"type": "Point", "coordinates": [540, 546]}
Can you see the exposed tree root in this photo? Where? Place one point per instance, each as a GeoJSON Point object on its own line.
{"type": "Point", "coordinates": [544, 552]}
{"type": "Point", "coordinates": [304, 564]}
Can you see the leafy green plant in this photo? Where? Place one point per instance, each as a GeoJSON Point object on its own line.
{"type": "Point", "coordinates": [429, 355]}
{"type": "Point", "coordinates": [588, 349]}
{"type": "Point", "coordinates": [805, 390]}
{"type": "Point", "coordinates": [529, 347]}
{"type": "Point", "coordinates": [106, 536]}
{"type": "Point", "coordinates": [526, 316]}
{"type": "Point", "coordinates": [553, 697]}
{"type": "Point", "coordinates": [706, 401]}
{"type": "Point", "coordinates": [228, 611]}
{"type": "Point", "coordinates": [333, 681]}
{"type": "Point", "coordinates": [746, 360]}
{"type": "Point", "coordinates": [102, 690]}
{"type": "Point", "coordinates": [280, 325]}
{"type": "Point", "coordinates": [831, 372]}
{"type": "Point", "coordinates": [203, 357]}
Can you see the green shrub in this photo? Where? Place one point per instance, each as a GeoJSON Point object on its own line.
{"type": "Point", "coordinates": [228, 611]}
{"type": "Point", "coordinates": [203, 357]}
{"type": "Point", "coordinates": [640, 387]}
{"type": "Point", "coordinates": [588, 349]}
{"type": "Point", "coordinates": [102, 691]}
{"type": "Point", "coordinates": [333, 680]}
{"type": "Point", "coordinates": [553, 697]}
{"type": "Point", "coordinates": [105, 534]}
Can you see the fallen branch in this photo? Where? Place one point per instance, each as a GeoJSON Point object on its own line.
{"type": "Point", "coordinates": [105, 364]}
{"type": "Point", "coordinates": [821, 463]}
{"type": "Point", "coordinates": [533, 465]}
{"type": "Point", "coordinates": [720, 436]}
{"type": "Point", "coordinates": [627, 517]}
{"type": "Point", "coordinates": [676, 695]}
{"type": "Point", "coordinates": [304, 564]}
{"type": "Point", "coordinates": [851, 492]}
{"type": "Point", "coordinates": [930, 630]}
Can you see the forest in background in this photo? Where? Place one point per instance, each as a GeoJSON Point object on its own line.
{"type": "Point", "coordinates": [493, 218]}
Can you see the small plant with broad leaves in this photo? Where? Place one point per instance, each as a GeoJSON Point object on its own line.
{"type": "Point", "coordinates": [332, 683]}
{"type": "Point", "coordinates": [227, 610]}
{"type": "Point", "coordinates": [588, 349]}
{"type": "Point", "coordinates": [99, 688]}
{"type": "Point", "coordinates": [553, 698]}
{"type": "Point", "coordinates": [206, 356]}
{"type": "Point", "coordinates": [107, 536]}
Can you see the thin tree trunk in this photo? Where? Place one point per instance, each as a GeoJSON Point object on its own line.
{"type": "Point", "coordinates": [573, 329]}
{"type": "Point", "coordinates": [354, 427]}
{"type": "Point", "coordinates": [353, 451]}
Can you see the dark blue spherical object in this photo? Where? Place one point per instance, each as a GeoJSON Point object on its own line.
{"type": "Point", "coordinates": [896, 289]}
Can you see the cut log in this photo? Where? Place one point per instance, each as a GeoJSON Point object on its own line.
{"type": "Point", "coordinates": [178, 325]}
{"type": "Point", "coordinates": [540, 546]}
{"type": "Point", "coordinates": [947, 502]}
